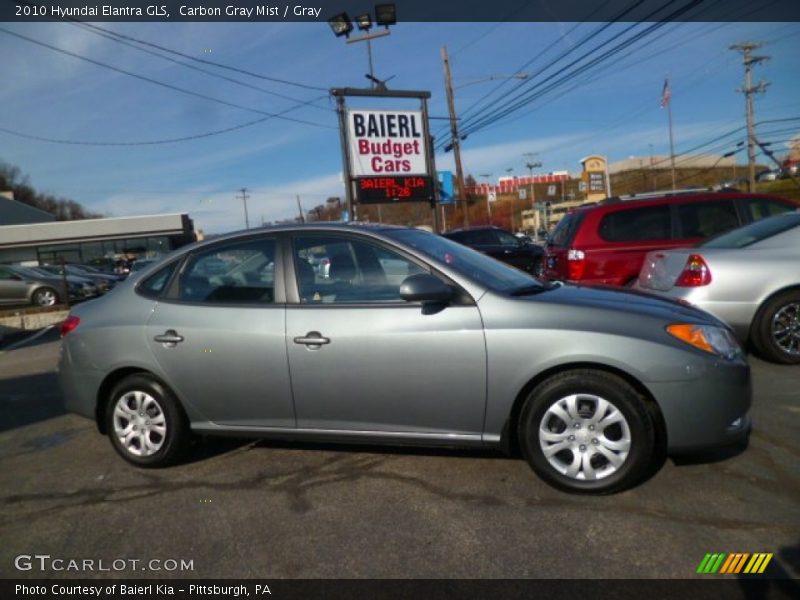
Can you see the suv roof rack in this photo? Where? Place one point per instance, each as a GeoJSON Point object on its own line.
{"type": "Point", "coordinates": [660, 194]}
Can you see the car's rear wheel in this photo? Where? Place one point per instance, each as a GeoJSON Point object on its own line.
{"type": "Point", "coordinates": [587, 431]}
{"type": "Point", "coordinates": [146, 424]}
{"type": "Point", "coordinates": [45, 296]}
{"type": "Point", "coordinates": [776, 329]}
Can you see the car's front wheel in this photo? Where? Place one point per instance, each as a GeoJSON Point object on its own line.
{"type": "Point", "coordinates": [587, 431]}
{"type": "Point", "coordinates": [146, 424]}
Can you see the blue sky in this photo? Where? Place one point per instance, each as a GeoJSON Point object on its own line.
{"type": "Point", "coordinates": [612, 110]}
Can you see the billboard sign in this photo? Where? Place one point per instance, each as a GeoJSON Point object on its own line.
{"type": "Point", "coordinates": [446, 194]}
{"type": "Point", "coordinates": [388, 156]}
{"type": "Point", "coordinates": [386, 142]}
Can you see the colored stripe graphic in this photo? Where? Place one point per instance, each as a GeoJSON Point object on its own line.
{"type": "Point", "coordinates": [734, 563]}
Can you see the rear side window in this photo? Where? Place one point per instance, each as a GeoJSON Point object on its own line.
{"type": "Point", "coordinates": [761, 208]}
{"type": "Point", "coordinates": [238, 273]}
{"type": "Point", "coordinates": [480, 237]}
{"type": "Point", "coordinates": [154, 286]}
{"type": "Point", "coordinates": [637, 224]}
{"type": "Point", "coordinates": [704, 219]}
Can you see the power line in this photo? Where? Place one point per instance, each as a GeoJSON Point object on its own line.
{"type": "Point", "coordinates": [139, 143]}
{"type": "Point", "coordinates": [161, 83]}
{"type": "Point", "coordinates": [114, 37]}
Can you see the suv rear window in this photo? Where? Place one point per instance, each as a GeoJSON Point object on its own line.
{"type": "Point", "coordinates": [565, 230]}
{"type": "Point", "coordinates": [637, 224]}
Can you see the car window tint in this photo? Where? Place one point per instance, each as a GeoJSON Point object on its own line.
{"type": "Point", "coordinates": [239, 273]}
{"type": "Point", "coordinates": [760, 208]}
{"type": "Point", "coordinates": [154, 286]}
{"type": "Point", "coordinates": [704, 219]}
{"type": "Point", "coordinates": [341, 270]}
{"type": "Point", "coordinates": [480, 237]}
{"type": "Point", "coordinates": [507, 240]}
{"type": "Point", "coordinates": [637, 224]}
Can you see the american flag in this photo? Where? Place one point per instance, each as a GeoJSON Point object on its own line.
{"type": "Point", "coordinates": [665, 94]}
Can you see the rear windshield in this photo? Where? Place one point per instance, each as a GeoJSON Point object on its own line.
{"type": "Point", "coordinates": [564, 232]}
{"type": "Point", "coordinates": [754, 232]}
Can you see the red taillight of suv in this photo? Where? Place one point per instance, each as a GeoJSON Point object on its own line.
{"type": "Point", "coordinates": [576, 264]}
{"type": "Point", "coordinates": [70, 323]}
{"type": "Point", "coordinates": [695, 273]}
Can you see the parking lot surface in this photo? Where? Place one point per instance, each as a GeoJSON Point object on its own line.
{"type": "Point", "coordinates": [279, 510]}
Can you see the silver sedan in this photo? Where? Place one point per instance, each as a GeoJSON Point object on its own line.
{"type": "Point", "coordinates": [748, 277]}
{"type": "Point", "coordinates": [410, 339]}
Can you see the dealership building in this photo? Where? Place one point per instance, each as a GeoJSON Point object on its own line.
{"type": "Point", "coordinates": [31, 236]}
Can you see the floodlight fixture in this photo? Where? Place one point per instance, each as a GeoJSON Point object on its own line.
{"type": "Point", "coordinates": [364, 22]}
{"type": "Point", "coordinates": [386, 14]}
{"type": "Point", "coordinates": [341, 25]}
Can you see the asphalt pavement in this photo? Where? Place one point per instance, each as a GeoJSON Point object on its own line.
{"type": "Point", "coordinates": [280, 510]}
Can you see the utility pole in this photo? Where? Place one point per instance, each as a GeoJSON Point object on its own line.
{"type": "Point", "coordinates": [244, 196]}
{"type": "Point", "coordinates": [300, 209]}
{"type": "Point", "coordinates": [455, 139]}
{"type": "Point", "coordinates": [746, 48]}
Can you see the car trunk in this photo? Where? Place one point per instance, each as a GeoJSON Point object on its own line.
{"type": "Point", "coordinates": [661, 269]}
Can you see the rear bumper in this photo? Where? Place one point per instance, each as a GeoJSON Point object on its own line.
{"type": "Point", "coordinates": [709, 411]}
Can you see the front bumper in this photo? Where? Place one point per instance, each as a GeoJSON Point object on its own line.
{"type": "Point", "coordinates": [709, 410]}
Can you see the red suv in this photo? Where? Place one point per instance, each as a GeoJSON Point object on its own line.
{"type": "Point", "coordinates": [605, 243]}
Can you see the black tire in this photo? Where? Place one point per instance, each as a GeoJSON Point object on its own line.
{"type": "Point", "coordinates": [45, 296]}
{"type": "Point", "coordinates": [762, 334]}
{"type": "Point", "coordinates": [174, 440]}
{"type": "Point", "coordinates": [588, 384]}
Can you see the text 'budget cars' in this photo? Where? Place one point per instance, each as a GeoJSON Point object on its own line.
{"type": "Point", "coordinates": [407, 338]}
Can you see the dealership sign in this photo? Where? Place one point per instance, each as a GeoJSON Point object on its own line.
{"type": "Point", "coordinates": [388, 155]}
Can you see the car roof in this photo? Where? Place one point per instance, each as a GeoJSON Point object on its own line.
{"type": "Point", "coordinates": [475, 228]}
{"type": "Point", "coordinates": [616, 203]}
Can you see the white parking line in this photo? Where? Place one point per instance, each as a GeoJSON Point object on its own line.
{"type": "Point", "coordinates": [26, 340]}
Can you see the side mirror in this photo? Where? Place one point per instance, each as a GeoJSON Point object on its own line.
{"type": "Point", "coordinates": [425, 288]}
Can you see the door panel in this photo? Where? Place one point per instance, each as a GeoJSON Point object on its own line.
{"type": "Point", "coordinates": [389, 368]}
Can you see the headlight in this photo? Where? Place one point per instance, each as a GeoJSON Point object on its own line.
{"type": "Point", "coordinates": [711, 339]}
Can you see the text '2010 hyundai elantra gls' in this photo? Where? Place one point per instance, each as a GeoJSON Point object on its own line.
{"type": "Point", "coordinates": [410, 338]}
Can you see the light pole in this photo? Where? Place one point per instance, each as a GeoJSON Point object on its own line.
{"type": "Point", "coordinates": [486, 176]}
{"type": "Point", "coordinates": [385, 15]}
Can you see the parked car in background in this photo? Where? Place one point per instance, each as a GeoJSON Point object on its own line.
{"type": "Point", "coordinates": [769, 175]}
{"type": "Point", "coordinates": [605, 243]}
{"type": "Point", "coordinates": [21, 285]}
{"type": "Point", "coordinates": [411, 339]}
{"type": "Point", "coordinates": [102, 281]}
{"type": "Point", "coordinates": [748, 277]}
{"type": "Point", "coordinates": [502, 245]}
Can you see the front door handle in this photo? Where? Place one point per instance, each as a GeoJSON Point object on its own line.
{"type": "Point", "coordinates": [169, 338]}
{"type": "Point", "coordinates": [312, 338]}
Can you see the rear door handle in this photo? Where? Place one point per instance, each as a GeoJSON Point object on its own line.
{"type": "Point", "coordinates": [312, 338]}
{"type": "Point", "coordinates": [170, 337]}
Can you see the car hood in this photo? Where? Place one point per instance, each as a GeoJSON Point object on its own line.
{"type": "Point", "coordinates": [630, 302]}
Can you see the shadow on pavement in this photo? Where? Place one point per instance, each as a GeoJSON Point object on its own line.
{"type": "Point", "coordinates": [29, 399]}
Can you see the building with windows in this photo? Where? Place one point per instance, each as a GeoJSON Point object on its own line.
{"type": "Point", "coordinates": [99, 242]}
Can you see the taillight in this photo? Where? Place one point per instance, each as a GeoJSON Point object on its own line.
{"type": "Point", "coordinates": [695, 273]}
{"type": "Point", "coordinates": [70, 323]}
{"type": "Point", "coordinates": [576, 264]}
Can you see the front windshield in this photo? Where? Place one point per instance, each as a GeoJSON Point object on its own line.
{"type": "Point", "coordinates": [754, 232]}
{"type": "Point", "coordinates": [470, 263]}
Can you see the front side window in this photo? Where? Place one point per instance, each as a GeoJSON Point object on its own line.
{"type": "Point", "coordinates": [238, 273]}
{"type": "Point", "coordinates": [342, 270]}
{"type": "Point", "coordinates": [637, 224]}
